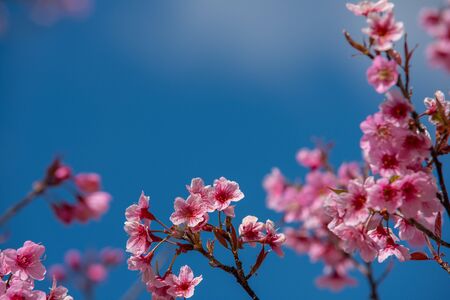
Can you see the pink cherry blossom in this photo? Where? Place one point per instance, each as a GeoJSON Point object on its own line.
{"type": "Point", "coordinates": [59, 293]}
{"type": "Point", "coordinates": [353, 203]}
{"type": "Point", "coordinates": [25, 262]}
{"type": "Point", "coordinates": [349, 171]}
{"type": "Point", "coordinates": [250, 230]}
{"type": "Point", "coordinates": [383, 30]}
{"type": "Point", "coordinates": [206, 193]}
{"type": "Point", "coordinates": [415, 189]}
{"type": "Point", "coordinates": [438, 54]}
{"type": "Point", "coordinates": [139, 239]}
{"type": "Point", "coordinates": [392, 248]}
{"type": "Point", "coordinates": [274, 184]}
{"type": "Point", "coordinates": [22, 290]}
{"type": "Point", "coordinates": [97, 203]}
{"type": "Point", "coordinates": [184, 284]}
{"type": "Point", "coordinates": [142, 263]}
{"type": "Point", "coordinates": [58, 272]}
{"type": "Point", "coordinates": [88, 182]}
{"type": "Point", "coordinates": [408, 232]}
{"type": "Point", "coordinates": [382, 74]}
{"type": "Point", "coordinates": [73, 259]}
{"type": "Point", "coordinates": [364, 8]}
{"type": "Point", "coordinates": [111, 256]}
{"type": "Point", "coordinates": [4, 268]}
{"type": "Point", "coordinates": [310, 158]}
{"type": "Point", "coordinates": [396, 108]}
{"type": "Point", "coordinates": [225, 192]}
{"type": "Point", "coordinates": [334, 281]}
{"type": "Point", "coordinates": [432, 107]}
{"type": "Point", "coordinates": [139, 211]}
{"type": "Point", "coordinates": [96, 272]}
{"type": "Point", "coordinates": [384, 195]}
{"type": "Point", "coordinates": [189, 211]}
{"type": "Point", "coordinates": [274, 239]}
{"type": "Point", "coordinates": [159, 286]}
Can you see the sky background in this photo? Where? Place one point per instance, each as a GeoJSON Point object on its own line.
{"type": "Point", "coordinates": [153, 93]}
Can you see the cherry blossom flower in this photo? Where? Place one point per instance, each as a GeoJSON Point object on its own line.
{"type": "Point", "coordinates": [139, 211]}
{"type": "Point", "coordinates": [396, 108]}
{"type": "Point", "coordinates": [97, 204]}
{"type": "Point", "coordinates": [73, 259]}
{"type": "Point", "coordinates": [25, 262]}
{"type": "Point", "coordinates": [141, 263]}
{"type": "Point", "coordinates": [96, 272]}
{"type": "Point", "coordinates": [159, 287]}
{"type": "Point", "coordinates": [364, 8]}
{"type": "Point", "coordinates": [225, 192]}
{"type": "Point", "coordinates": [384, 195]}
{"type": "Point", "coordinates": [190, 211]}
{"type": "Point", "coordinates": [206, 193]}
{"type": "Point", "coordinates": [250, 230]}
{"type": "Point", "coordinates": [349, 171]}
{"type": "Point", "coordinates": [391, 248]}
{"type": "Point", "coordinates": [433, 104]}
{"type": "Point", "coordinates": [353, 203]}
{"type": "Point", "coordinates": [111, 256]}
{"type": "Point", "coordinates": [139, 239]}
{"type": "Point", "coordinates": [383, 30]}
{"type": "Point", "coordinates": [58, 293]}
{"type": "Point", "coordinates": [274, 184]}
{"type": "Point", "coordinates": [184, 284]}
{"type": "Point", "coordinates": [88, 182]}
{"type": "Point", "coordinates": [22, 290]}
{"type": "Point", "coordinates": [382, 74]}
{"type": "Point", "coordinates": [334, 281]}
{"type": "Point", "coordinates": [416, 189]}
{"type": "Point", "coordinates": [274, 239]}
{"type": "Point", "coordinates": [310, 158]}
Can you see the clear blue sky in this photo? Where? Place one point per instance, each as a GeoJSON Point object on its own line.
{"type": "Point", "coordinates": [152, 93]}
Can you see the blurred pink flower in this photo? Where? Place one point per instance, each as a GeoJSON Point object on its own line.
{"type": "Point", "coordinates": [382, 74]}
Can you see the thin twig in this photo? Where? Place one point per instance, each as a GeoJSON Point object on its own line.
{"type": "Point", "coordinates": [38, 189]}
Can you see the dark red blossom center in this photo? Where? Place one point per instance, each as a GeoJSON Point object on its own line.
{"type": "Point", "coordinates": [412, 141]}
{"type": "Point", "coordinates": [389, 193]}
{"type": "Point", "coordinates": [389, 161]}
{"type": "Point", "coordinates": [400, 111]}
{"type": "Point", "coordinates": [223, 195]}
{"type": "Point", "coordinates": [23, 261]}
{"type": "Point", "coordinates": [359, 201]}
{"type": "Point", "coordinates": [409, 190]}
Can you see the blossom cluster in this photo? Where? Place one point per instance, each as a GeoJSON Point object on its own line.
{"type": "Point", "coordinates": [47, 12]}
{"type": "Point", "coordinates": [391, 202]}
{"type": "Point", "coordinates": [86, 271]}
{"type": "Point", "coordinates": [191, 218]}
{"type": "Point", "coordinates": [436, 22]}
{"type": "Point", "coordinates": [90, 201]}
{"type": "Point", "coordinates": [19, 268]}
{"type": "Point", "coordinates": [382, 32]}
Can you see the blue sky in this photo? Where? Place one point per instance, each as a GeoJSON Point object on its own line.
{"type": "Point", "coordinates": [150, 94]}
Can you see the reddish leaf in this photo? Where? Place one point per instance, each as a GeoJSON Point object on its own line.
{"type": "Point", "coordinates": [438, 225]}
{"type": "Point", "coordinates": [259, 260]}
{"type": "Point", "coordinates": [419, 256]}
{"type": "Point", "coordinates": [234, 238]}
{"type": "Point", "coordinates": [219, 236]}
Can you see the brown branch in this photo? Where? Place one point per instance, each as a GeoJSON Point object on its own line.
{"type": "Point", "coordinates": [372, 282]}
{"type": "Point", "coordinates": [425, 230]}
{"type": "Point", "coordinates": [232, 270]}
{"type": "Point", "coordinates": [38, 189]}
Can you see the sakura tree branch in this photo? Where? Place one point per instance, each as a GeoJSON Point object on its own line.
{"type": "Point", "coordinates": [38, 189]}
{"type": "Point", "coordinates": [404, 88]}
{"type": "Point", "coordinates": [232, 270]}
{"type": "Point", "coordinates": [372, 282]}
{"type": "Point", "coordinates": [425, 230]}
